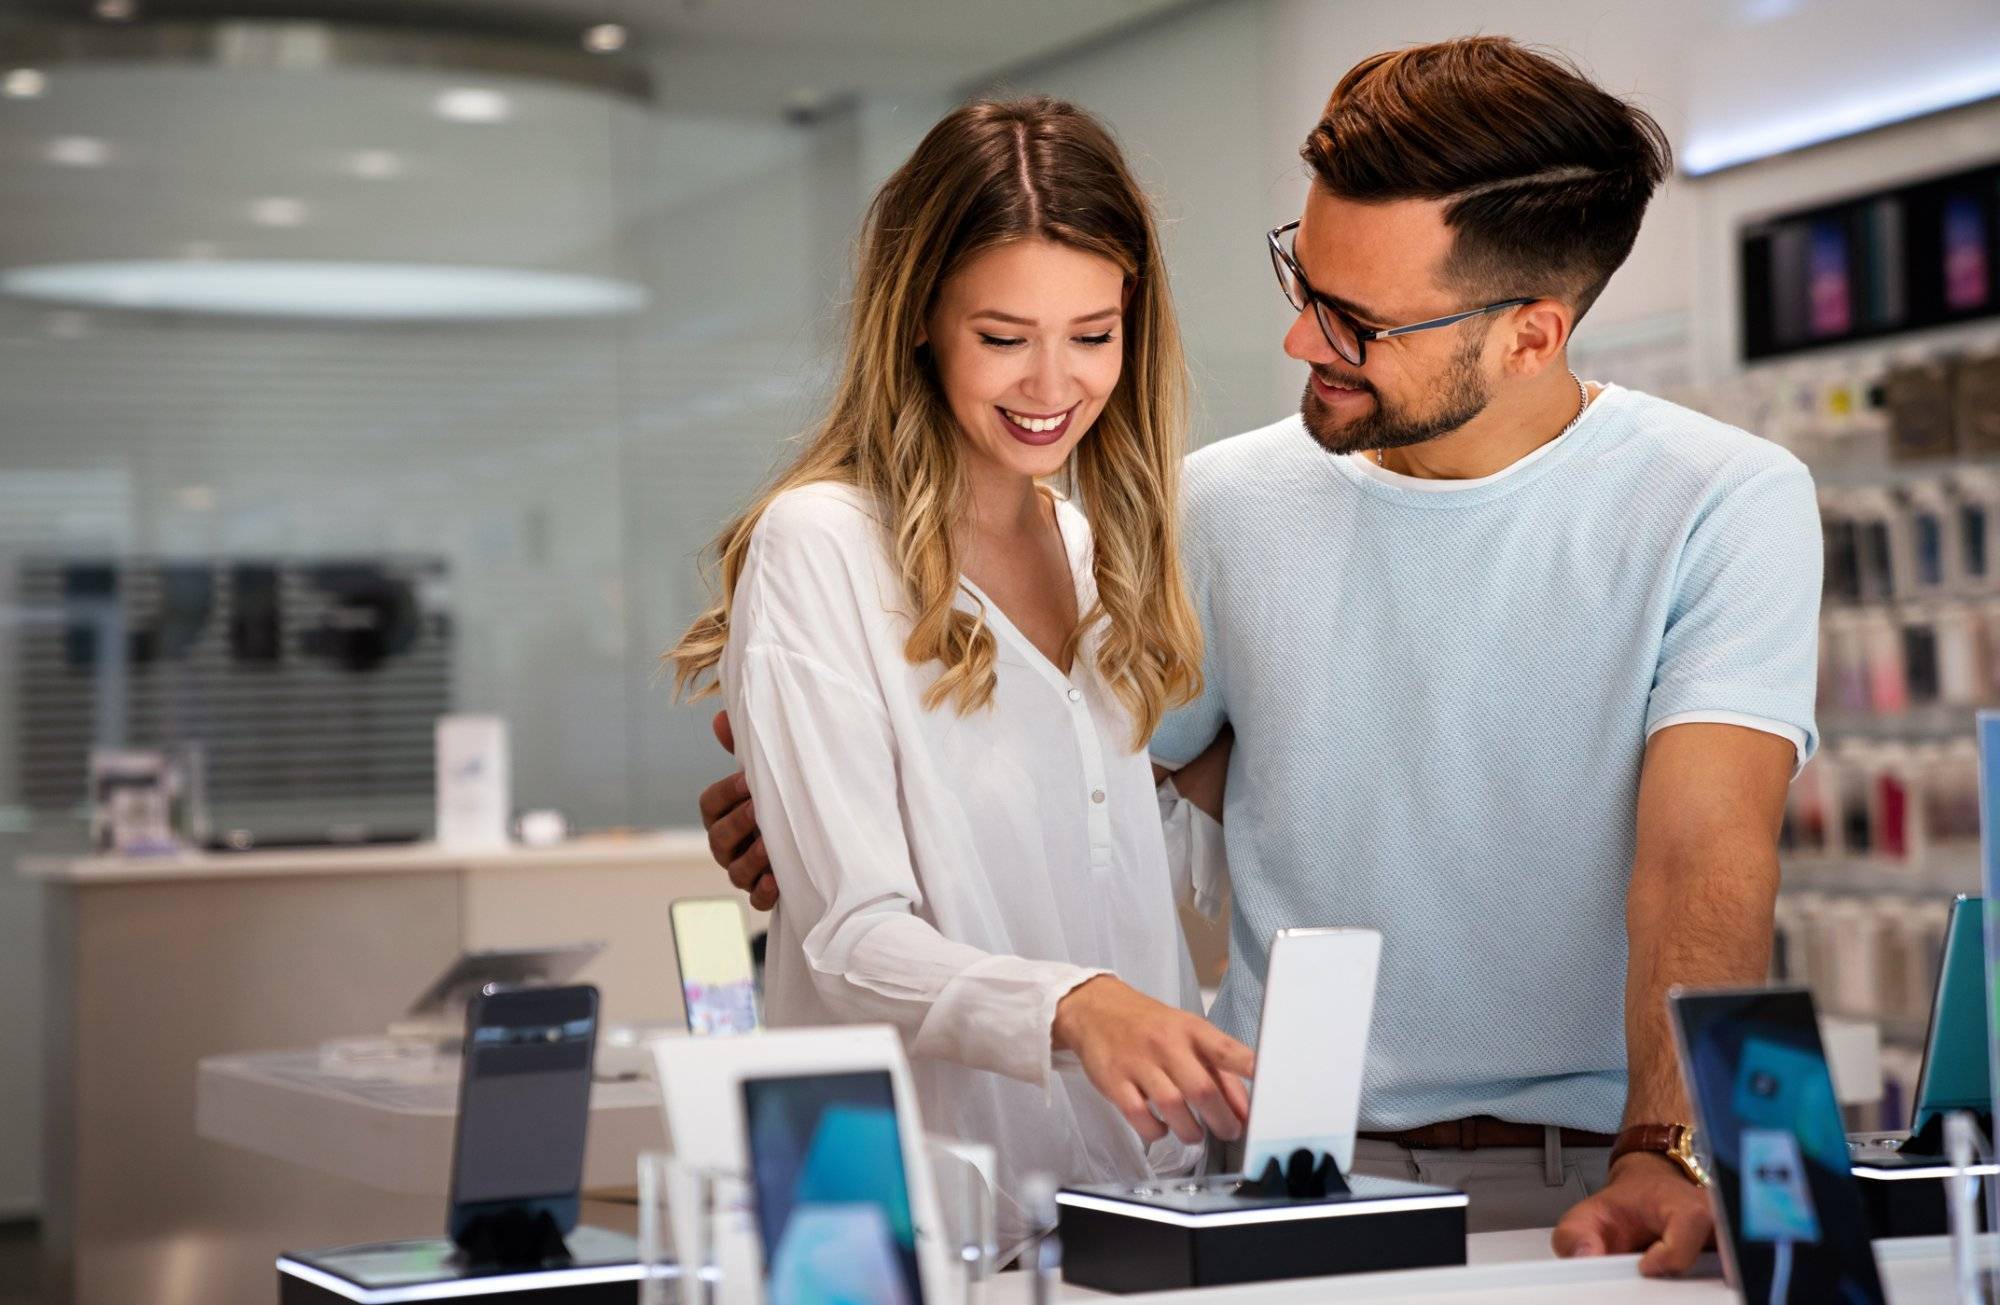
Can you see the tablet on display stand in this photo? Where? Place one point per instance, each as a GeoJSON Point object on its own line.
{"type": "Point", "coordinates": [702, 1092]}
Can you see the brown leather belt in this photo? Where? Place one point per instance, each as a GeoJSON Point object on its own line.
{"type": "Point", "coordinates": [1482, 1131]}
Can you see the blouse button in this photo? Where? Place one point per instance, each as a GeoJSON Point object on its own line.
{"type": "Point", "coordinates": [1076, 695]}
{"type": "Point", "coordinates": [1097, 795]}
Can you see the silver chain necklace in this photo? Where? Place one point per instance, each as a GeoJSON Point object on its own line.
{"type": "Point", "coordinates": [1582, 406]}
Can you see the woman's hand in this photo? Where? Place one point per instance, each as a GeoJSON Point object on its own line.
{"type": "Point", "coordinates": [1140, 1052]}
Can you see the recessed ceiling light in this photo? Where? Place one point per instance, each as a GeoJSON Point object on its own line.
{"type": "Point", "coordinates": [605, 38]}
{"type": "Point", "coordinates": [24, 84]}
{"type": "Point", "coordinates": [116, 11]}
{"type": "Point", "coordinates": [375, 165]}
{"type": "Point", "coordinates": [278, 211]}
{"type": "Point", "coordinates": [328, 291]}
{"type": "Point", "coordinates": [78, 151]}
{"type": "Point", "coordinates": [474, 104]}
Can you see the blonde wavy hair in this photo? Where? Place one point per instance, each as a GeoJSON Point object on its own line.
{"type": "Point", "coordinates": [992, 172]}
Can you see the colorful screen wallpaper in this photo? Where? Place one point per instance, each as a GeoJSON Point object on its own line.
{"type": "Point", "coordinates": [833, 1203]}
{"type": "Point", "coordinates": [1778, 1149]}
{"type": "Point", "coordinates": [1872, 265]}
{"type": "Point", "coordinates": [717, 979]}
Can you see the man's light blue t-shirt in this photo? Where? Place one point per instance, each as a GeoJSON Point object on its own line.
{"type": "Point", "coordinates": [1442, 697]}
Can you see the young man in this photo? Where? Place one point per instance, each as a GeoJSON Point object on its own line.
{"type": "Point", "coordinates": [1518, 668]}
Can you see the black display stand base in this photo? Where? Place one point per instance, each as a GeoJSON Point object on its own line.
{"type": "Point", "coordinates": [1903, 1190]}
{"type": "Point", "coordinates": [514, 1238]}
{"type": "Point", "coordinates": [591, 1267]}
{"type": "Point", "coordinates": [1211, 1232]}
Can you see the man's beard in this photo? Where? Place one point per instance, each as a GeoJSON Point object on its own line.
{"type": "Point", "coordinates": [1462, 394]}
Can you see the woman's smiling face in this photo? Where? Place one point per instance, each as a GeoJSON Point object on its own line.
{"type": "Point", "coordinates": [1029, 343]}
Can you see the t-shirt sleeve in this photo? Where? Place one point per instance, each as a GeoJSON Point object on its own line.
{"type": "Point", "coordinates": [1742, 634]}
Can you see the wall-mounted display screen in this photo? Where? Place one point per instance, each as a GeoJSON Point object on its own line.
{"type": "Point", "coordinates": [1926, 254]}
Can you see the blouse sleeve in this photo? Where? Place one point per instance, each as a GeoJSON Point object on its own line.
{"type": "Point", "coordinates": [1196, 854]}
{"type": "Point", "coordinates": [820, 754]}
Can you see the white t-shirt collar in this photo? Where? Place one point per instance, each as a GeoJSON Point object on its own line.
{"type": "Point", "coordinates": [1365, 463]}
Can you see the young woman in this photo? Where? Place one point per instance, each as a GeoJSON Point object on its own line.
{"type": "Point", "coordinates": [941, 675]}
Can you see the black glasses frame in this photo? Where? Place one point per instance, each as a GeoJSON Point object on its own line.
{"type": "Point", "coordinates": [1323, 308]}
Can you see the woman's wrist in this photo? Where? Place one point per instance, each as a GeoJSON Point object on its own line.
{"type": "Point", "coordinates": [1073, 1011]}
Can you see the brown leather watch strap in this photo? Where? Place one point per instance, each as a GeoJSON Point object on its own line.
{"type": "Point", "coordinates": [1672, 1142]}
{"type": "Point", "coordinates": [1660, 1138]}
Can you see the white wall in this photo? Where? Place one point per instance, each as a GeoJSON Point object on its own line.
{"type": "Point", "coordinates": [1189, 98]}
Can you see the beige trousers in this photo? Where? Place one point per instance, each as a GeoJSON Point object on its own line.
{"type": "Point", "coordinates": [1510, 1186]}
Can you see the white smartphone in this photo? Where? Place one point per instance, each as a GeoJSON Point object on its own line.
{"type": "Point", "coordinates": [1312, 1045]}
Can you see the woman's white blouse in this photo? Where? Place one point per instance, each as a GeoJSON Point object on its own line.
{"type": "Point", "coordinates": [952, 875]}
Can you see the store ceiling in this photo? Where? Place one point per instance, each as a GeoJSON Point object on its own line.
{"type": "Point", "coordinates": [733, 55]}
{"type": "Point", "coordinates": [116, 157]}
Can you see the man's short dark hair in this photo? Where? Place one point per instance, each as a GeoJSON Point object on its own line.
{"type": "Point", "coordinates": [1545, 175]}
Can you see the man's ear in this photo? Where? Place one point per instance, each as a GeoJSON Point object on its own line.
{"type": "Point", "coordinates": [1540, 333]}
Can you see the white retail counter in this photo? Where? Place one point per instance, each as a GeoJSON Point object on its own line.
{"type": "Point", "coordinates": [154, 963]}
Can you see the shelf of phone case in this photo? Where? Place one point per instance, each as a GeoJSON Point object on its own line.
{"type": "Point", "coordinates": [1902, 810]}
{"type": "Point", "coordinates": [1873, 958]}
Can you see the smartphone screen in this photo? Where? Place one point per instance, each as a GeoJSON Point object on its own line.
{"type": "Point", "coordinates": [833, 1199]}
{"type": "Point", "coordinates": [718, 983]}
{"type": "Point", "coordinates": [1792, 1223]}
{"type": "Point", "coordinates": [523, 1103]}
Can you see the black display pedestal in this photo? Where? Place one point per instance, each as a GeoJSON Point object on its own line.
{"type": "Point", "coordinates": [1211, 1232]}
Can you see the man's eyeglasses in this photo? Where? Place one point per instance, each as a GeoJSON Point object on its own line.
{"type": "Point", "coordinates": [1348, 337]}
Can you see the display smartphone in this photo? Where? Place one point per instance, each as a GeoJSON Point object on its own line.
{"type": "Point", "coordinates": [1956, 1073]}
{"type": "Point", "coordinates": [718, 981]}
{"type": "Point", "coordinates": [1312, 1045]}
{"type": "Point", "coordinates": [1789, 1214]}
{"type": "Point", "coordinates": [831, 1187]}
{"type": "Point", "coordinates": [523, 1109]}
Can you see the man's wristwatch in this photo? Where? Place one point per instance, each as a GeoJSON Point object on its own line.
{"type": "Point", "coordinates": [1674, 1141]}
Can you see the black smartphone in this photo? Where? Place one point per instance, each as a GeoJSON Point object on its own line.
{"type": "Point", "coordinates": [523, 1108]}
{"type": "Point", "coordinates": [1789, 1216]}
{"type": "Point", "coordinates": [832, 1192]}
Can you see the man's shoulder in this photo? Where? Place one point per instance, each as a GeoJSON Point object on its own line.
{"type": "Point", "coordinates": [1216, 475]}
{"type": "Point", "coordinates": [1669, 444]}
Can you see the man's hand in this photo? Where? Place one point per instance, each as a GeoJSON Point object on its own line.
{"type": "Point", "coordinates": [733, 837]}
{"type": "Point", "coordinates": [1139, 1052]}
{"type": "Point", "coordinates": [1648, 1206]}
{"type": "Point", "coordinates": [1203, 780]}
